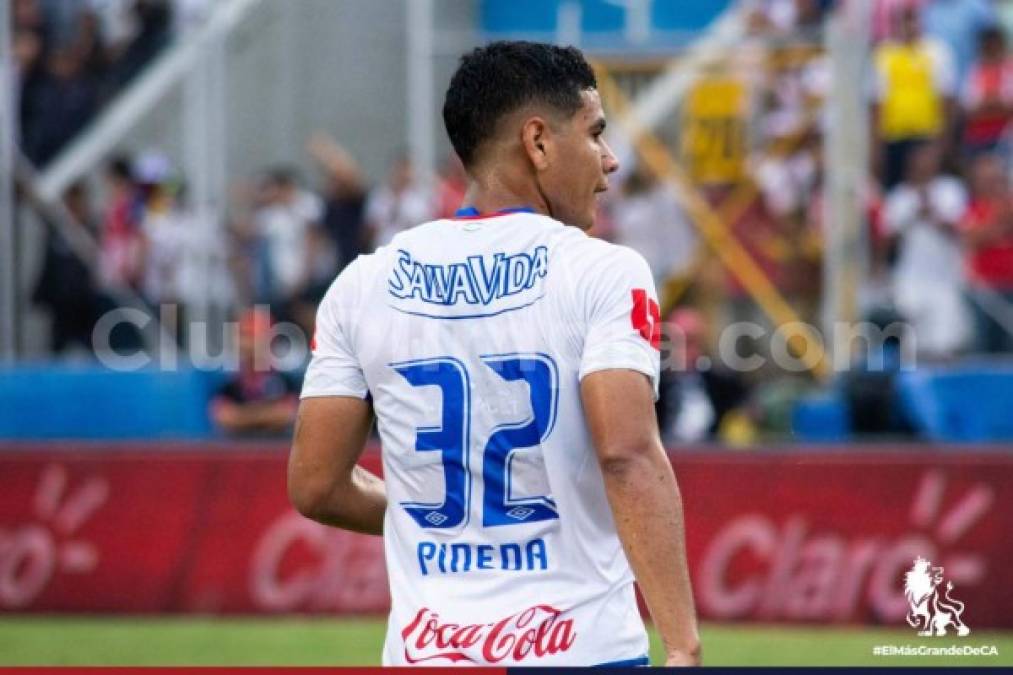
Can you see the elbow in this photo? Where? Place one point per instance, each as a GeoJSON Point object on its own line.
{"type": "Point", "coordinates": [626, 459]}
{"type": "Point", "coordinates": [617, 466]}
{"type": "Point", "coordinates": [308, 496]}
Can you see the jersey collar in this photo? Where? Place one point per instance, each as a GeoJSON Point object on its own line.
{"type": "Point", "coordinates": [471, 213]}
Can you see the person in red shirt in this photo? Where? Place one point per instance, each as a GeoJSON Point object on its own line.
{"type": "Point", "coordinates": [258, 400]}
{"type": "Point", "coordinates": [120, 236]}
{"type": "Point", "coordinates": [451, 187]}
{"type": "Point", "coordinates": [988, 94]}
{"type": "Point", "coordinates": [987, 234]}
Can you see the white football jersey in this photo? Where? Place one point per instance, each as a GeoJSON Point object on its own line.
{"type": "Point", "coordinates": [471, 336]}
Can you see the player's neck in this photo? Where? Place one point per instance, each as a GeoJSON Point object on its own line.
{"type": "Point", "coordinates": [489, 194]}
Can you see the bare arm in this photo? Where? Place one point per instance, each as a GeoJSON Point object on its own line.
{"type": "Point", "coordinates": [324, 482]}
{"type": "Point", "coordinates": [645, 501]}
{"type": "Point", "coordinates": [337, 161]}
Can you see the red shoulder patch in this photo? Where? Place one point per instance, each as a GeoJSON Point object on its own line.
{"type": "Point", "coordinates": [646, 317]}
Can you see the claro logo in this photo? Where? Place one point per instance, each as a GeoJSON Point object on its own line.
{"type": "Point", "coordinates": [32, 555]}
{"type": "Point", "coordinates": [301, 565]}
{"type": "Point", "coordinates": [755, 567]}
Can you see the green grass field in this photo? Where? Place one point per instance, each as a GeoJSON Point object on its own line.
{"type": "Point", "coordinates": [303, 641]}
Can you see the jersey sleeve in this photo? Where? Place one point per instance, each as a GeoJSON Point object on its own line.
{"type": "Point", "coordinates": [334, 369]}
{"type": "Point", "coordinates": [623, 322]}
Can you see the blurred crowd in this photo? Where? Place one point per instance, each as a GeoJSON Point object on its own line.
{"type": "Point", "coordinates": [942, 102]}
{"type": "Point", "coordinates": [73, 56]}
{"type": "Point", "coordinates": [940, 92]}
{"type": "Point", "coordinates": [938, 206]}
{"type": "Point", "coordinates": [936, 203]}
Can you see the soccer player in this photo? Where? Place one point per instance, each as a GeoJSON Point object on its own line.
{"type": "Point", "coordinates": [512, 364]}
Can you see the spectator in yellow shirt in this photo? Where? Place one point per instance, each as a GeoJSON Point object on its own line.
{"type": "Point", "coordinates": [914, 94]}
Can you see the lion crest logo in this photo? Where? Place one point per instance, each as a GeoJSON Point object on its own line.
{"type": "Point", "coordinates": [931, 612]}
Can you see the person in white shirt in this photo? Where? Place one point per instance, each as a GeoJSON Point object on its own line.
{"type": "Point", "coordinates": [285, 221]}
{"type": "Point", "coordinates": [649, 220]}
{"type": "Point", "coordinates": [398, 204]}
{"type": "Point", "coordinates": [921, 215]}
{"type": "Point", "coordinates": [512, 364]}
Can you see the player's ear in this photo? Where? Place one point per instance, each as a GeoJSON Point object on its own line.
{"type": "Point", "coordinates": [535, 139]}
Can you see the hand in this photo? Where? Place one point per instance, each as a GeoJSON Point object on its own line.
{"type": "Point", "coordinates": [681, 658]}
{"type": "Point", "coordinates": [321, 146]}
{"type": "Point", "coordinates": [228, 415]}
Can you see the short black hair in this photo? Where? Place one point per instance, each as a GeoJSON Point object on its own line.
{"type": "Point", "coordinates": [499, 78]}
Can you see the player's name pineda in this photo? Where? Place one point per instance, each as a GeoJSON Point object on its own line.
{"type": "Point", "coordinates": [478, 280]}
{"type": "Point", "coordinates": [456, 558]}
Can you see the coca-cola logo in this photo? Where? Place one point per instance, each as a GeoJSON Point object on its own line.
{"type": "Point", "coordinates": [533, 633]}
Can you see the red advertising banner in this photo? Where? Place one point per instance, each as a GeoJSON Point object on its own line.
{"type": "Point", "coordinates": [819, 535]}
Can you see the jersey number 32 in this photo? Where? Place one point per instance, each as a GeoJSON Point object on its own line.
{"type": "Point", "coordinates": [452, 439]}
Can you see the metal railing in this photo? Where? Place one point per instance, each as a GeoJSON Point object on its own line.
{"type": "Point", "coordinates": [195, 63]}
